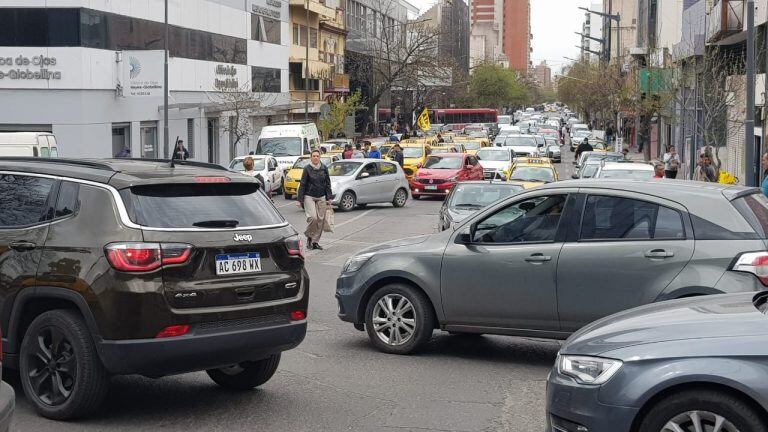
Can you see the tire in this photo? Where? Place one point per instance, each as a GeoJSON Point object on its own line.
{"type": "Point", "coordinates": [347, 201]}
{"type": "Point", "coordinates": [83, 382]}
{"type": "Point", "coordinates": [407, 331]}
{"type": "Point", "coordinates": [246, 375]}
{"type": "Point", "coordinates": [416, 197]}
{"type": "Point", "coordinates": [708, 404]}
{"type": "Point", "coordinates": [362, 206]}
{"type": "Point", "coordinates": [401, 197]}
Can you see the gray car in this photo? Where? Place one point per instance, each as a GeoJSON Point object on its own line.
{"type": "Point", "coordinates": [547, 261]}
{"type": "Point", "coordinates": [358, 182]}
{"type": "Point", "coordinates": [466, 198]}
{"type": "Point", "coordinates": [691, 365]}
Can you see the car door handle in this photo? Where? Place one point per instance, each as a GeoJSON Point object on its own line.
{"type": "Point", "coordinates": [659, 253]}
{"type": "Point", "coordinates": [22, 246]}
{"type": "Point", "coordinates": [538, 258]}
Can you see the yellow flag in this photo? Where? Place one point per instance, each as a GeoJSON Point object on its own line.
{"type": "Point", "coordinates": [423, 121]}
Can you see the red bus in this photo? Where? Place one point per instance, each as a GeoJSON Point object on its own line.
{"type": "Point", "coordinates": [452, 116]}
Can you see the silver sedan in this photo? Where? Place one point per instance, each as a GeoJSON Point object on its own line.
{"type": "Point", "coordinates": [358, 182]}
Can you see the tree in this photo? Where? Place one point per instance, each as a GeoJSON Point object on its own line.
{"type": "Point", "coordinates": [333, 124]}
{"type": "Point", "coordinates": [493, 86]}
{"type": "Point", "coordinates": [236, 107]}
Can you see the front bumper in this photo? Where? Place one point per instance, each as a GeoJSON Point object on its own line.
{"type": "Point", "coordinates": [203, 347]}
{"type": "Point", "coordinates": [439, 189]}
{"type": "Point", "coordinates": [348, 296]}
{"type": "Point", "coordinates": [570, 405]}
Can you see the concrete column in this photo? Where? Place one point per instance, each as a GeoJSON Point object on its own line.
{"type": "Point", "coordinates": [136, 139]}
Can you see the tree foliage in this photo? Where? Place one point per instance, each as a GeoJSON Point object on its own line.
{"type": "Point", "coordinates": [333, 124]}
{"type": "Point", "coordinates": [493, 86]}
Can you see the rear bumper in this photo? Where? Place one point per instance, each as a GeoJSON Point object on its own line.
{"type": "Point", "coordinates": [201, 349]}
{"type": "Point", "coordinates": [7, 405]}
{"type": "Point", "coordinates": [291, 187]}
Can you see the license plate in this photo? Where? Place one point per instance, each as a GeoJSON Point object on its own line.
{"type": "Point", "coordinates": [430, 187]}
{"type": "Point", "coordinates": [229, 264]}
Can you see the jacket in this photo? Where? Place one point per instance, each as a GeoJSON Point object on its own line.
{"type": "Point", "coordinates": [397, 157]}
{"type": "Point", "coordinates": [374, 154]}
{"type": "Point", "coordinates": [315, 183]}
{"type": "Point", "coordinates": [582, 148]}
{"type": "Point", "coordinates": [182, 154]}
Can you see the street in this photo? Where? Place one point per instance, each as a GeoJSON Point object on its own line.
{"type": "Point", "coordinates": [335, 381]}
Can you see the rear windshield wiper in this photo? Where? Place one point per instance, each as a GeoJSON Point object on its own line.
{"type": "Point", "coordinates": [224, 223]}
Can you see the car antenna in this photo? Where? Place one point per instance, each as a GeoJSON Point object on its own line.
{"type": "Point", "coordinates": [171, 164]}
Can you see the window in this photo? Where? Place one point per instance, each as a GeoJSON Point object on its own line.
{"type": "Point", "coordinates": [300, 35]}
{"type": "Point", "coordinates": [149, 140]}
{"type": "Point", "coordinates": [370, 169]}
{"type": "Point", "coordinates": [265, 80]}
{"type": "Point", "coordinates": [296, 34]}
{"type": "Point", "coordinates": [297, 80]}
{"type": "Point", "coordinates": [67, 202]}
{"type": "Point", "coordinates": [28, 27]}
{"type": "Point", "coordinates": [45, 152]}
{"type": "Point", "coordinates": [615, 218]}
{"type": "Point", "coordinates": [25, 200]}
{"type": "Point", "coordinates": [265, 29]}
{"type": "Point", "coordinates": [531, 221]}
{"type": "Point", "coordinates": [312, 38]}
{"type": "Point", "coordinates": [387, 168]}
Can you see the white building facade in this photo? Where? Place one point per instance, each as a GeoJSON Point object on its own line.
{"type": "Point", "coordinates": [91, 72]}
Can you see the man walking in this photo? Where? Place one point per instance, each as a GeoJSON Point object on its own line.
{"type": "Point", "coordinates": [315, 193]}
{"type": "Point", "coordinates": [584, 146]}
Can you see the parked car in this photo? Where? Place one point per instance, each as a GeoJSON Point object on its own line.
{"type": "Point", "coordinates": [28, 144]}
{"type": "Point", "coordinates": [468, 197]}
{"type": "Point", "coordinates": [547, 261]}
{"type": "Point", "coordinates": [625, 170]}
{"type": "Point", "coordinates": [496, 162]}
{"type": "Point", "coordinates": [142, 268]}
{"type": "Point", "coordinates": [266, 167]}
{"type": "Point", "coordinates": [359, 182]}
{"type": "Point", "coordinates": [442, 171]}
{"type": "Point", "coordinates": [687, 365]}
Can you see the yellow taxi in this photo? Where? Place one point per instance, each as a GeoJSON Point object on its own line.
{"type": "Point", "coordinates": [447, 147]}
{"type": "Point", "coordinates": [532, 172]}
{"type": "Point", "coordinates": [472, 145]}
{"type": "Point", "coordinates": [293, 176]}
{"type": "Point", "coordinates": [414, 156]}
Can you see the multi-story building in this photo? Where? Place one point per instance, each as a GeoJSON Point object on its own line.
{"type": "Point", "coordinates": [543, 75]}
{"type": "Point", "coordinates": [453, 44]}
{"type": "Point", "coordinates": [316, 64]}
{"type": "Point", "coordinates": [516, 34]}
{"type": "Point", "coordinates": [621, 38]}
{"type": "Point", "coordinates": [486, 20]}
{"type": "Point", "coordinates": [92, 73]}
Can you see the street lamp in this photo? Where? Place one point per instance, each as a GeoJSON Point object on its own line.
{"type": "Point", "coordinates": [166, 90]}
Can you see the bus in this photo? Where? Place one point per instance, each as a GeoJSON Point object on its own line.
{"type": "Point", "coordinates": [457, 118]}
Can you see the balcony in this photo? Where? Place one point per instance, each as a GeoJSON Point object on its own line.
{"type": "Point", "coordinates": [725, 19]}
{"type": "Point", "coordinates": [317, 7]}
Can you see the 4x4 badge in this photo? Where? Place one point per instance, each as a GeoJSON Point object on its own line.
{"type": "Point", "coordinates": [243, 237]}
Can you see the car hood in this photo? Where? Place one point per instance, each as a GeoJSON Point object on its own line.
{"type": "Point", "coordinates": [408, 241]}
{"type": "Point", "coordinates": [524, 149]}
{"type": "Point", "coordinates": [718, 316]}
{"type": "Point", "coordinates": [494, 165]}
{"type": "Point", "coordinates": [437, 173]}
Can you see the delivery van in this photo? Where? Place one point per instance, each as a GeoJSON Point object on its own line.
{"type": "Point", "coordinates": [28, 144]}
{"type": "Point", "coordinates": [288, 142]}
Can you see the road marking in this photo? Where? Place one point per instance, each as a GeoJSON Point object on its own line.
{"type": "Point", "coordinates": [286, 205]}
{"type": "Point", "coordinates": [352, 220]}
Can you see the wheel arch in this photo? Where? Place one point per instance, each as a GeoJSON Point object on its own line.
{"type": "Point", "coordinates": [389, 280]}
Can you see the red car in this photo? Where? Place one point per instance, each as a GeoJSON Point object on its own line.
{"type": "Point", "coordinates": [442, 171]}
{"type": "Point", "coordinates": [550, 133]}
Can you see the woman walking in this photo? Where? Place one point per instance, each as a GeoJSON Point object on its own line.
{"type": "Point", "coordinates": [671, 162]}
{"type": "Point", "coordinates": [315, 193]}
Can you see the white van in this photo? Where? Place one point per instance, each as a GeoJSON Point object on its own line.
{"type": "Point", "coordinates": [288, 142]}
{"type": "Point", "coordinates": [28, 144]}
{"type": "Point", "coordinates": [504, 120]}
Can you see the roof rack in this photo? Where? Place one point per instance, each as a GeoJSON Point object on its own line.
{"type": "Point", "coordinates": [181, 162]}
{"type": "Point", "coordinates": [62, 161]}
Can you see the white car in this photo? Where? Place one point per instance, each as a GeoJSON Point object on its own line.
{"type": "Point", "coordinates": [267, 171]}
{"type": "Point", "coordinates": [625, 171]}
{"type": "Point", "coordinates": [522, 145]}
{"type": "Point", "coordinates": [495, 160]}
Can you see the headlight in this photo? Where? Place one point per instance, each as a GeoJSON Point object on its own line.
{"type": "Point", "coordinates": [355, 263]}
{"type": "Point", "coordinates": [453, 179]}
{"type": "Point", "coordinates": [588, 370]}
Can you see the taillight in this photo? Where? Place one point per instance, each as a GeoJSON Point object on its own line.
{"type": "Point", "coordinates": [298, 315]}
{"type": "Point", "coordinates": [212, 180]}
{"type": "Point", "coordinates": [755, 263]}
{"type": "Point", "coordinates": [145, 257]}
{"type": "Point", "coordinates": [294, 247]}
{"type": "Point", "coordinates": [173, 331]}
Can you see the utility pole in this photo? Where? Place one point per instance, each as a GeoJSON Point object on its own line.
{"type": "Point", "coordinates": [750, 159]}
{"type": "Point", "coordinates": [306, 68]}
{"type": "Point", "coordinates": [166, 90]}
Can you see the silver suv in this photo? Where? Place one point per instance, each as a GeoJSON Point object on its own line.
{"type": "Point", "coordinates": [547, 261]}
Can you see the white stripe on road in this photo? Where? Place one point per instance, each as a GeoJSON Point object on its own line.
{"type": "Point", "coordinates": [352, 220]}
{"type": "Point", "coordinates": [286, 205]}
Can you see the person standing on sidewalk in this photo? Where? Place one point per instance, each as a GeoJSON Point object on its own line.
{"type": "Point", "coordinates": [671, 162]}
{"type": "Point", "coordinates": [764, 161]}
{"type": "Point", "coordinates": [315, 194]}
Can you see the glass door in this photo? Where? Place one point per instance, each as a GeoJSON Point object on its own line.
{"type": "Point", "coordinates": [149, 140]}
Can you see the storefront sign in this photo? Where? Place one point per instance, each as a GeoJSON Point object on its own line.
{"type": "Point", "coordinates": [267, 8]}
{"type": "Point", "coordinates": [226, 78]}
{"type": "Point", "coordinates": [29, 68]}
{"type": "Point", "coordinates": [143, 73]}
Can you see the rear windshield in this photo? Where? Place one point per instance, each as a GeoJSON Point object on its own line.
{"type": "Point", "coordinates": [754, 208]}
{"type": "Point", "coordinates": [216, 205]}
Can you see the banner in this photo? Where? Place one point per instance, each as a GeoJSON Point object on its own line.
{"type": "Point", "coordinates": [423, 120]}
{"type": "Point", "coordinates": [143, 74]}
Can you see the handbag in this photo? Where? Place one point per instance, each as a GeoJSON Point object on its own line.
{"type": "Point", "coordinates": [328, 222]}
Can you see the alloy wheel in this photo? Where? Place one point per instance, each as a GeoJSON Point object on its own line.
{"type": "Point", "coordinates": [400, 197]}
{"type": "Point", "coordinates": [52, 367]}
{"type": "Point", "coordinates": [347, 201]}
{"type": "Point", "coordinates": [394, 319]}
{"type": "Point", "coordinates": [699, 421]}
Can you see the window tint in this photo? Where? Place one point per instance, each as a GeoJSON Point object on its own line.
{"type": "Point", "coordinates": [754, 208]}
{"type": "Point", "coordinates": [265, 80]}
{"type": "Point", "coordinates": [44, 152]}
{"type": "Point", "coordinates": [24, 199]}
{"type": "Point", "coordinates": [183, 205]}
{"type": "Point", "coordinates": [370, 169]}
{"type": "Point", "coordinates": [67, 202]}
{"type": "Point", "coordinates": [614, 218]}
{"type": "Point", "coordinates": [387, 168]}
{"type": "Point", "coordinates": [532, 220]}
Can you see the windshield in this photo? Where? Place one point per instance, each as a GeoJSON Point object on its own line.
{"type": "Point", "coordinates": [290, 146]}
{"type": "Point", "coordinates": [301, 163]}
{"type": "Point", "coordinates": [413, 152]}
{"type": "Point", "coordinates": [439, 162]}
{"type": "Point", "coordinates": [471, 145]}
{"type": "Point", "coordinates": [590, 170]}
{"type": "Point", "coordinates": [535, 174]}
{"type": "Point", "coordinates": [493, 155]}
{"type": "Point", "coordinates": [473, 195]}
{"type": "Point", "coordinates": [627, 174]}
{"type": "Point", "coordinates": [520, 141]}
{"type": "Point", "coordinates": [343, 168]}
{"type": "Point", "coordinates": [237, 165]}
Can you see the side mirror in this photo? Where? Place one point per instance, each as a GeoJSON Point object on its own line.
{"type": "Point", "coordinates": [575, 176]}
{"type": "Point", "coordinates": [464, 237]}
{"type": "Point", "coordinates": [365, 175]}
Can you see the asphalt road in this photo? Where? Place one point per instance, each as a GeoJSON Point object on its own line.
{"type": "Point", "coordinates": [335, 381]}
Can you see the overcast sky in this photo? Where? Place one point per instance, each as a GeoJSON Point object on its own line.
{"type": "Point", "coordinates": [552, 23]}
